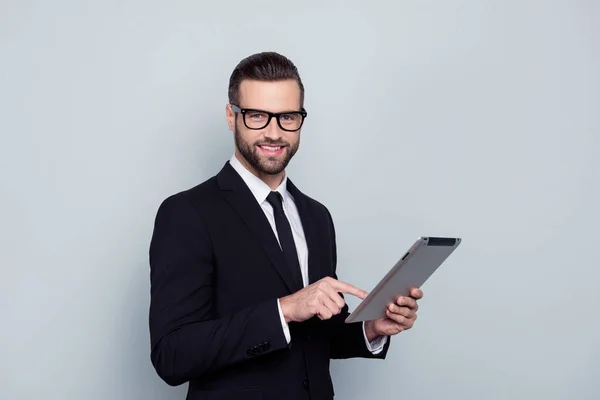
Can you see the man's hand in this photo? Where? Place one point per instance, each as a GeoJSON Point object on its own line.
{"type": "Point", "coordinates": [401, 316]}
{"type": "Point", "coordinates": [321, 299]}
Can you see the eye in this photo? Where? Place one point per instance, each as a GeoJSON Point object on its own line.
{"type": "Point", "coordinates": [289, 117]}
{"type": "Point", "coordinates": [257, 116]}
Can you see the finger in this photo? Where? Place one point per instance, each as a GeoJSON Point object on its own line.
{"type": "Point", "coordinates": [331, 305]}
{"type": "Point", "coordinates": [416, 293]}
{"type": "Point", "coordinates": [344, 287]}
{"type": "Point", "coordinates": [399, 319]}
{"type": "Point", "coordinates": [334, 296]}
{"type": "Point", "coordinates": [323, 312]}
{"type": "Point", "coordinates": [407, 302]}
{"type": "Point", "coordinates": [404, 311]}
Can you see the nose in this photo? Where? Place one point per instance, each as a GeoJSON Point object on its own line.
{"type": "Point", "coordinates": [272, 130]}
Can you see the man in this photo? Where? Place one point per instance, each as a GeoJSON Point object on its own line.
{"type": "Point", "coordinates": [245, 300]}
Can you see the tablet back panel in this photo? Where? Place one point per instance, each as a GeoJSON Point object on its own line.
{"type": "Point", "coordinates": [411, 271]}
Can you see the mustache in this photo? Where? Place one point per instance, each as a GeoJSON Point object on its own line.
{"type": "Point", "coordinates": [272, 143]}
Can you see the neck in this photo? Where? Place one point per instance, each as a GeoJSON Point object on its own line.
{"type": "Point", "coordinates": [273, 181]}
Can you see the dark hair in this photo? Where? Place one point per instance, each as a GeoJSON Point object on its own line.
{"type": "Point", "coordinates": [266, 67]}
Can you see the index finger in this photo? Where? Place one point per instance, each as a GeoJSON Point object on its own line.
{"type": "Point", "coordinates": [348, 288]}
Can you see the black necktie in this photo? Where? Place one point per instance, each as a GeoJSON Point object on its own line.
{"type": "Point", "coordinates": [286, 239]}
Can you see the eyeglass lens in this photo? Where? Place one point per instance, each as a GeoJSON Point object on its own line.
{"type": "Point", "coordinates": [258, 120]}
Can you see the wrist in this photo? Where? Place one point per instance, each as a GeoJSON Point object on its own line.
{"type": "Point", "coordinates": [370, 331]}
{"type": "Point", "coordinates": [285, 309]}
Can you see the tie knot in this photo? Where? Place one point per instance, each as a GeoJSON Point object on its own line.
{"type": "Point", "coordinates": [275, 199]}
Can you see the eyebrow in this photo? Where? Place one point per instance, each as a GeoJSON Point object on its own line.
{"type": "Point", "coordinates": [273, 112]}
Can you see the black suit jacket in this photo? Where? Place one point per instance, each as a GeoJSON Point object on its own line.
{"type": "Point", "coordinates": [216, 274]}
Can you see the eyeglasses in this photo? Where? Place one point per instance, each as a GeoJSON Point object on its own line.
{"type": "Point", "coordinates": [289, 121]}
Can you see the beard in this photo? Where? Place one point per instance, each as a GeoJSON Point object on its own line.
{"type": "Point", "coordinates": [263, 164]}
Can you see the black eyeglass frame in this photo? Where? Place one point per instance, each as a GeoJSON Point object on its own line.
{"type": "Point", "coordinates": [271, 115]}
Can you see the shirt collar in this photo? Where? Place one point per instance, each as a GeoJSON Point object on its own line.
{"type": "Point", "coordinates": [259, 189]}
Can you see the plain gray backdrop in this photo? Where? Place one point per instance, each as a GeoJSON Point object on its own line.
{"type": "Point", "coordinates": [477, 119]}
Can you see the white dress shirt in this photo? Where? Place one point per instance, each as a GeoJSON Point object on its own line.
{"type": "Point", "coordinates": [261, 190]}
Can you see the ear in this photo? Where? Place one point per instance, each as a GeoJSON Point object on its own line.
{"type": "Point", "coordinates": [230, 116]}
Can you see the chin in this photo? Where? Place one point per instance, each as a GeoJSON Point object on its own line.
{"type": "Point", "coordinates": [272, 170]}
{"type": "Point", "coordinates": [271, 167]}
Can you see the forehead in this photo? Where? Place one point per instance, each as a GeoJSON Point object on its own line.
{"type": "Point", "coordinates": [270, 96]}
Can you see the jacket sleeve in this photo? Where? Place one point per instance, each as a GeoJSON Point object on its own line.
{"type": "Point", "coordinates": [347, 340]}
{"type": "Point", "coordinates": [187, 338]}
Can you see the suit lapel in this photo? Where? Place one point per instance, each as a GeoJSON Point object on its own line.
{"type": "Point", "coordinates": [310, 232]}
{"type": "Point", "coordinates": [241, 199]}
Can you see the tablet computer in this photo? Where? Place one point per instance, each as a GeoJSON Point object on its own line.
{"type": "Point", "coordinates": [411, 271]}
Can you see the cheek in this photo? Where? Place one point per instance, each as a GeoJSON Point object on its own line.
{"type": "Point", "coordinates": [292, 140]}
{"type": "Point", "coordinates": [295, 142]}
{"type": "Point", "coordinates": [249, 138]}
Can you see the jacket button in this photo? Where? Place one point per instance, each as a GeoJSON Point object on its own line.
{"type": "Point", "coordinates": [252, 351]}
{"type": "Point", "coordinates": [305, 384]}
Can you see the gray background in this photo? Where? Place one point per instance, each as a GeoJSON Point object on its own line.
{"type": "Point", "coordinates": [468, 118]}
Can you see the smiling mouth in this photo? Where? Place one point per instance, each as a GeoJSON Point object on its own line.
{"type": "Point", "coordinates": [270, 149]}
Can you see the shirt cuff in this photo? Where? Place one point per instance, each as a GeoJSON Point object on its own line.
{"type": "Point", "coordinates": [284, 325]}
{"type": "Point", "coordinates": [377, 344]}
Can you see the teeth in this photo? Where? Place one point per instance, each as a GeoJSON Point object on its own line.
{"type": "Point", "coordinates": [271, 148]}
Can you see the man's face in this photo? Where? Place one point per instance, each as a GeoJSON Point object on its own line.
{"type": "Point", "coordinates": [268, 150]}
